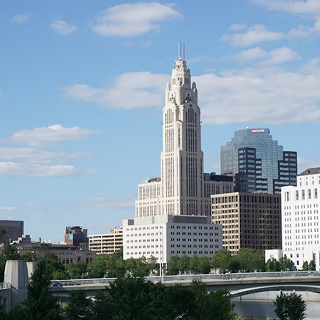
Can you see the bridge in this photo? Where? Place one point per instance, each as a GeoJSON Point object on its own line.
{"type": "Point", "coordinates": [239, 284]}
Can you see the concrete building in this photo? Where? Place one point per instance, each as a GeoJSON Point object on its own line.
{"type": "Point", "coordinates": [107, 243]}
{"type": "Point", "coordinates": [249, 220]}
{"type": "Point", "coordinates": [258, 163]}
{"type": "Point", "coordinates": [300, 219]}
{"type": "Point", "coordinates": [14, 229]}
{"type": "Point", "coordinates": [167, 235]}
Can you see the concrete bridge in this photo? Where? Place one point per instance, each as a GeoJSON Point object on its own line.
{"type": "Point", "coordinates": [239, 284]}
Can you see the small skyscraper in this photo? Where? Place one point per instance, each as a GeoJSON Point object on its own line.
{"type": "Point", "coordinates": [258, 163]}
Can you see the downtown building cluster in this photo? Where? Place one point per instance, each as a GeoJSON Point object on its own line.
{"type": "Point", "coordinates": [187, 211]}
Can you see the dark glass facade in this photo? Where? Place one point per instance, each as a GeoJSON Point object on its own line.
{"type": "Point", "coordinates": [258, 163]}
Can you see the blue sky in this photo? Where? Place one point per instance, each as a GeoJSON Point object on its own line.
{"type": "Point", "coordinates": [82, 89]}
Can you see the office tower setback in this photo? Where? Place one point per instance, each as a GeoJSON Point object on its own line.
{"type": "Point", "coordinates": [249, 220]}
{"type": "Point", "coordinates": [258, 163]}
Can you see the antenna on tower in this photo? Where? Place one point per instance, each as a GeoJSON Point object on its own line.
{"type": "Point", "coordinates": [184, 52]}
{"type": "Point", "coordinates": [179, 50]}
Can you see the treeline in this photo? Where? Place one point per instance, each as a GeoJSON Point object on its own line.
{"type": "Point", "coordinates": [247, 260]}
{"type": "Point", "coordinates": [127, 298]}
{"type": "Point", "coordinates": [285, 264]}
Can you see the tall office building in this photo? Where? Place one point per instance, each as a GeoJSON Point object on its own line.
{"type": "Point", "coordinates": [182, 188]}
{"type": "Point", "coordinates": [181, 194]}
{"type": "Point", "coordinates": [258, 163]}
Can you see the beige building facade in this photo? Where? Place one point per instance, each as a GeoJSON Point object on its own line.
{"type": "Point", "coordinates": [249, 220]}
{"type": "Point", "coordinates": [107, 243]}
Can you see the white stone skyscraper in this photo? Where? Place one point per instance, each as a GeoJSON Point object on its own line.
{"type": "Point", "coordinates": [181, 189]}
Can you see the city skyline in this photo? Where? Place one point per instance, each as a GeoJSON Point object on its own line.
{"type": "Point", "coordinates": [82, 97]}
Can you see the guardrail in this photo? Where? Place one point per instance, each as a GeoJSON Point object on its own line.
{"type": "Point", "coordinates": [190, 277]}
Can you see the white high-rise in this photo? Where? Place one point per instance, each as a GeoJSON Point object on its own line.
{"type": "Point", "coordinates": [181, 189]}
{"type": "Point", "coordinates": [173, 210]}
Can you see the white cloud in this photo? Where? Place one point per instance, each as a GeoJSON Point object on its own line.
{"type": "Point", "coordinates": [129, 91]}
{"type": "Point", "coordinates": [105, 203]}
{"type": "Point", "coordinates": [310, 8]}
{"type": "Point", "coordinates": [35, 170]}
{"type": "Point", "coordinates": [62, 27]}
{"type": "Point", "coordinates": [255, 34]}
{"type": "Point", "coordinates": [304, 164]}
{"type": "Point", "coordinates": [281, 55]}
{"type": "Point", "coordinates": [38, 207]}
{"type": "Point", "coordinates": [43, 135]}
{"type": "Point", "coordinates": [8, 209]}
{"type": "Point", "coordinates": [21, 18]}
{"type": "Point", "coordinates": [237, 27]}
{"type": "Point", "coordinates": [127, 20]}
{"type": "Point", "coordinates": [252, 54]}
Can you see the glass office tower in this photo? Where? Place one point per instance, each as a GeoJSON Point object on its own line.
{"type": "Point", "coordinates": [258, 163]}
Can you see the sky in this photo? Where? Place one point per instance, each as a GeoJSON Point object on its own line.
{"type": "Point", "coordinates": [82, 90]}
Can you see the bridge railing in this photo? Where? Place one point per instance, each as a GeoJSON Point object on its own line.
{"type": "Point", "coordinates": [190, 277]}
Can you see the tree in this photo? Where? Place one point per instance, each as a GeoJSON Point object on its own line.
{"type": "Point", "coordinates": [312, 266]}
{"type": "Point", "coordinates": [204, 265]}
{"type": "Point", "coordinates": [98, 267]}
{"type": "Point", "coordinates": [290, 306]}
{"type": "Point", "coordinates": [79, 306]}
{"type": "Point", "coordinates": [221, 260]}
{"type": "Point", "coordinates": [234, 264]}
{"type": "Point", "coordinates": [28, 256]}
{"type": "Point", "coordinates": [251, 259]}
{"type": "Point", "coordinates": [286, 264]}
{"type": "Point", "coordinates": [173, 265]}
{"type": "Point", "coordinates": [216, 306]}
{"type": "Point", "coordinates": [77, 270]}
{"type": "Point", "coordinates": [194, 264]}
{"type": "Point", "coordinates": [184, 263]}
{"type": "Point", "coordinates": [40, 304]}
{"type": "Point", "coordinates": [305, 266]}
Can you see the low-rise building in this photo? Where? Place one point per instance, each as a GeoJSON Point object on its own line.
{"type": "Point", "coordinates": [249, 220]}
{"type": "Point", "coordinates": [165, 236]}
{"type": "Point", "coordinates": [66, 253]}
{"type": "Point", "coordinates": [107, 243]}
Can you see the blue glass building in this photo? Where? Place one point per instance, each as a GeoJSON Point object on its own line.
{"type": "Point", "coordinates": [258, 163]}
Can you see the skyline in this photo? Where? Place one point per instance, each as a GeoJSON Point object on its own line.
{"type": "Point", "coordinates": [83, 91]}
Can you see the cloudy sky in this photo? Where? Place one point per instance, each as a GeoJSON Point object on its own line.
{"type": "Point", "coordinates": [82, 89]}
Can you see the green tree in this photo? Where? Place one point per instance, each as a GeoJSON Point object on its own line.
{"type": "Point", "coordinates": [290, 306]}
{"type": "Point", "coordinates": [98, 267]}
{"type": "Point", "coordinates": [221, 260]}
{"type": "Point", "coordinates": [28, 256]}
{"type": "Point", "coordinates": [204, 265]}
{"type": "Point", "coordinates": [173, 265]}
{"type": "Point", "coordinates": [77, 270]}
{"type": "Point", "coordinates": [79, 306]}
{"type": "Point", "coordinates": [251, 259]}
{"type": "Point", "coordinates": [234, 264]}
{"type": "Point", "coordinates": [16, 313]}
{"type": "Point", "coordinates": [270, 265]}
{"type": "Point", "coordinates": [184, 263]}
{"type": "Point", "coordinates": [40, 304]}
{"type": "Point", "coordinates": [102, 307]}
{"type": "Point", "coordinates": [216, 306]}
{"type": "Point", "coordinates": [194, 264]}
{"type": "Point", "coordinates": [286, 264]}
{"type": "Point", "coordinates": [312, 266]}
{"type": "Point", "coordinates": [305, 266]}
